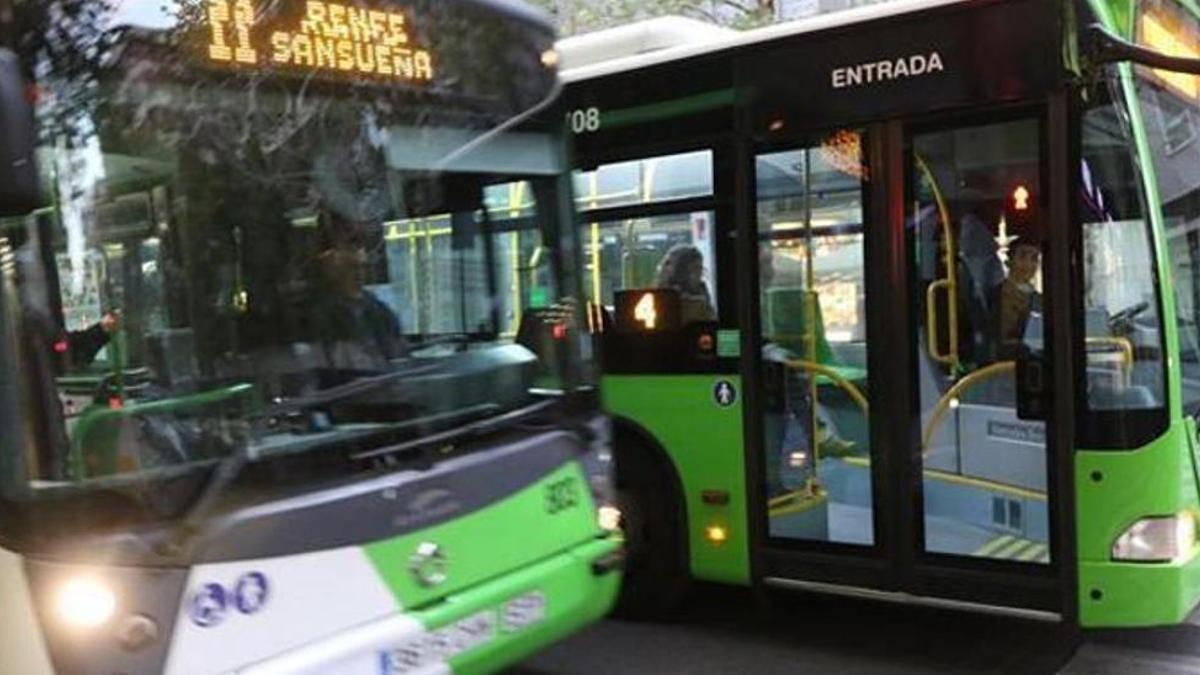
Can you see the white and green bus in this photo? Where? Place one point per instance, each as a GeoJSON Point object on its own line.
{"type": "Point", "coordinates": [948, 352]}
{"type": "Point", "coordinates": [290, 380]}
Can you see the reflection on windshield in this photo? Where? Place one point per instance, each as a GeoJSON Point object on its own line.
{"type": "Point", "coordinates": [241, 264]}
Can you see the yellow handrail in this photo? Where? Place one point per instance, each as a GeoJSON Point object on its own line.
{"type": "Point", "coordinates": [1123, 345]}
{"type": "Point", "coordinates": [950, 358]}
{"type": "Point", "coordinates": [950, 281]}
{"type": "Point", "coordinates": [849, 387]}
{"type": "Point", "coordinates": [972, 379]}
{"type": "Point", "coordinates": [593, 194]}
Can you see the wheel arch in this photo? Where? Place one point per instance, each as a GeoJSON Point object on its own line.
{"type": "Point", "coordinates": [647, 446]}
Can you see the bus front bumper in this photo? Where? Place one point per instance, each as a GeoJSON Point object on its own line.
{"type": "Point", "coordinates": [478, 630]}
{"type": "Point", "coordinates": [1128, 595]}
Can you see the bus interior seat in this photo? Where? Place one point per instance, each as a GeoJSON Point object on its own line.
{"type": "Point", "coordinates": [788, 326]}
{"type": "Point", "coordinates": [1105, 393]}
{"type": "Point", "coordinates": [639, 267]}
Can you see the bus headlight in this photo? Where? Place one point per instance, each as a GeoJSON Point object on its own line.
{"type": "Point", "coordinates": [1157, 539]}
{"type": "Point", "coordinates": [86, 603]}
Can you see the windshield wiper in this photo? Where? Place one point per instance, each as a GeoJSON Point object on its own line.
{"type": "Point", "coordinates": [228, 468]}
{"type": "Point", "coordinates": [476, 429]}
{"type": "Point", "coordinates": [341, 392]}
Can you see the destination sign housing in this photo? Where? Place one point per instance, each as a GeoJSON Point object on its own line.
{"type": "Point", "coordinates": [329, 37]}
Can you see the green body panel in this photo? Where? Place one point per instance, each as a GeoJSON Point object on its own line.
{"type": "Point", "coordinates": [1113, 490]}
{"type": "Point", "coordinates": [1116, 14]}
{"type": "Point", "coordinates": [514, 532]}
{"type": "Point", "coordinates": [704, 442]}
{"type": "Point", "coordinates": [575, 597]}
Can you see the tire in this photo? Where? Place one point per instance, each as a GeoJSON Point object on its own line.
{"type": "Point", "coordinates": [656, 570]}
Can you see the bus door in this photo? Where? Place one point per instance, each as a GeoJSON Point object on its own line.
{"type": "Point", "coordinates": [977, 232]}
{"type": "Point", "coordinates": [815, 400]}
{"type": "Point", "coordinates": [850, 502]}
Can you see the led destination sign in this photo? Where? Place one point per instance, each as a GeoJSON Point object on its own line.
{"type": "Point", "coordinates": [329, 37]}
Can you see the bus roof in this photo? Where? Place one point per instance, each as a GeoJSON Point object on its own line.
{"type": "Point", "coordinates": [655, 41]}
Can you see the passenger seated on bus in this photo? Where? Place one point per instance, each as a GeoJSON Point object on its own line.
{"type": "Point", "coordinates": [980, 271]}
{"type": "Point", "coordinates": [1015, 298]}
{"type": "Point", "coordinates": [682, 269]}
{"type": "Point", "coordinates": [358, 331]}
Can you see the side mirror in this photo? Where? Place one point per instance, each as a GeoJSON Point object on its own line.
{"type": "Point", "coordinates": [19, 191]}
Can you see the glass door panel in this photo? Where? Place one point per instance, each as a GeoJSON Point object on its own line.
{"type": "Point", "coordinates": [813, 300]}
{"type": "Point", "coordinates": [976, 242]}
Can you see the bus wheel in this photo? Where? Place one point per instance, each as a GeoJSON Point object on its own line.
{"type": "Point", "coordinates": [656, 576]}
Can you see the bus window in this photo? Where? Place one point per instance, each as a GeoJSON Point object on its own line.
{"type": "Point", "coordinates": [812, 297]}
{"type": "Point", "coordinates": [644, 181]}
{"type": "Point", "coordinates": [673, 250]}
{"type": "Point", "coordinates": [427, 274]}
{"type": "Point", "coordinates": [1172, 119]}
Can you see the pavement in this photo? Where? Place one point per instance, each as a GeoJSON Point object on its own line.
{"type": "Point", "coordinates": [727, 631]}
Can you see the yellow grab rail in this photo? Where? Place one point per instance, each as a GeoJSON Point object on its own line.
{"type": "Point", "coordinates": [943, 404]}
{"type": "Point", "coordinates": [1123, 345]}
{"type": "Point", "coordinates": [849, 387]}
{"type": "Point", "coordinates": [950, 357]}
{"type": "Point", "coordinates": [949, 282]}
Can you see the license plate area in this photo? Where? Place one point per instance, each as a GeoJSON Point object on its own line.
{"type": "Point", "coordinates": [423, 652]}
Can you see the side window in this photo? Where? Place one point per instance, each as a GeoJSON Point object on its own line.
{"type": "Point", "coordinates": [1122, 327]}
{"type": "Point", "coordinates": [628, 247]}
{"type": "Point", "coordinates": [436, 284]}
{"type": "Point", "coordinates": [1168, 101]}
{"type": "Point", "coordinates": [444, 288]}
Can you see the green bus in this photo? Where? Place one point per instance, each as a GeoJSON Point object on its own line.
{"type": "Point", "coordinates": [903, 302]}
{"type": "Point", "coordinates": [291, 379]}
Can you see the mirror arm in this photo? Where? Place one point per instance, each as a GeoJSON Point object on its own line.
{"type": "Point", "coordinates": [1109, 48]}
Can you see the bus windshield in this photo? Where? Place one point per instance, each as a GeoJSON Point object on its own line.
{"type": "Point", "coordinates": [276, 230]}
{"type": "Point", "coordinates": [1170, 104]}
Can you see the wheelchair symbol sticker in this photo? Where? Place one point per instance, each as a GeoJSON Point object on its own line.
{"type": "Point", "coordinates": [213, 603]}
{"type": "Point", "coordinates": [209, 606]}
{"type": "Point", "coordinates": [724, 393]}
{"type": "Point", "coordinates": [251, 592]}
